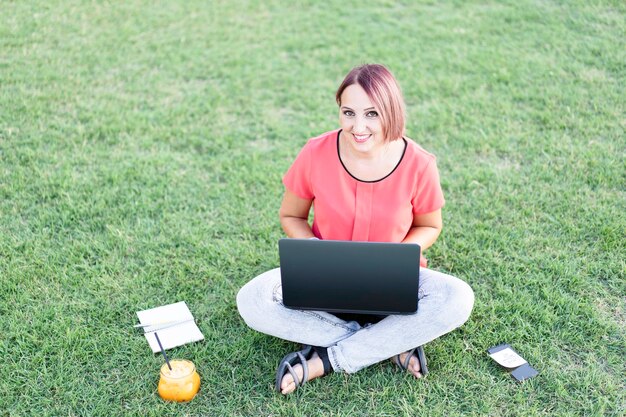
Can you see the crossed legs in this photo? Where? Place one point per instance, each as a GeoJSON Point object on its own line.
{"type": "Point", "coordinates": [445, 303]}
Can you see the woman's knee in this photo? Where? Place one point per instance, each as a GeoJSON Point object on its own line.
{"type": "Point", "coordinates": [462, 300]}
{"type": "Point", "coordinates": [245, 301]}
{"type": "Point", "coordinates": [254, 301]}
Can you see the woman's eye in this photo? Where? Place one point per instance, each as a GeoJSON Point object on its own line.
{"type": "Point", "coordinates": [372, 114]}
{"type": "Point", "coordinates": [348, 113]}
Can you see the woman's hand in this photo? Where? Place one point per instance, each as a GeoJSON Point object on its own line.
{"type": "Point", "coordinates": [294, 216]}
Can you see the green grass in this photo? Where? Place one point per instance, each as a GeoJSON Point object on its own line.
{"type": "Point", "coordinates": [142, 146]}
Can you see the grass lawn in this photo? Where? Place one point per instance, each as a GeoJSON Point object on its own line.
{"type": "Point", "coordinates": [142, 146]}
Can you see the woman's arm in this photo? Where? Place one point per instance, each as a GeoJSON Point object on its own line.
{"type": "Point", "coordinates": [294, 216]}
{"type": "Point", "coordinates": [425, 230]}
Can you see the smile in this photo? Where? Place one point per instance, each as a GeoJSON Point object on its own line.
{"type": "Point", "coordinates": [361, 138]}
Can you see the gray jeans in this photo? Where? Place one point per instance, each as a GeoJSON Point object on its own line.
{"type": "Point", "coordinates": [445, 303]}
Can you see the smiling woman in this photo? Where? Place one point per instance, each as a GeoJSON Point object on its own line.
{"type": "Point", "coordinates": [367, 182]}
{"type": "Point", "coordinates": [381, 91]}
{"type": "Point", "coordinates": [364, 150]}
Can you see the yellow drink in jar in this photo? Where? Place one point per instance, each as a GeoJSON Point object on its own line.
{"type": "Point", "coordinates": [181, 383]}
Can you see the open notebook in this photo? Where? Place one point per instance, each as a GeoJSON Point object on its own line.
{"type": "Point", "coordinates": [173, 322]}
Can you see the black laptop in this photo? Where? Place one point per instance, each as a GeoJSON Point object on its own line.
{"type": "Point", "coordinates": [349, 277]}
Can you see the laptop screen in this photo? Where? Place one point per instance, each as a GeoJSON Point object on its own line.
{"type": "Point", "coordinates": [349, 277]}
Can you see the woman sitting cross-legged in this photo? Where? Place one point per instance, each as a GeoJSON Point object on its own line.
{"type": "Point", "coordinates": [366, 181]}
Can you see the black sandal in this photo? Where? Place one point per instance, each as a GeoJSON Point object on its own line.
{"type": "Point", "coordinates": [418, 352]}
{"type": "Point", "coordinates": [301, 357]}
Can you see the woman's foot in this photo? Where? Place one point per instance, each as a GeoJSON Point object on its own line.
{"type": "Point", "coordinates": [316, 370]}
{"type": "Point", "coordinates": [413, 361]}
{"type": "Point", "coordinates": [414, 364]}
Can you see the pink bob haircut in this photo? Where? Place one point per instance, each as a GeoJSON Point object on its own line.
{"type": "Point", "coordinates": [382, 88]}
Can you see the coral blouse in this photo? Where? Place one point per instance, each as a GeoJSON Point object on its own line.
{"type": "Point", "coordinates": [346, 208]}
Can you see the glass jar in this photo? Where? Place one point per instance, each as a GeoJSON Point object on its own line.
{"type": "Point", "coordinates": [181, 383]}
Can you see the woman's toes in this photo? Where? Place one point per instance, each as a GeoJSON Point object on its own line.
{"type": "Point", "coordinates": [288, 385]}
{"type": "Point", "coordinates": [316, 369]}
{"type": "Point", "coordinates": [288, 389]}
{"type": "Point", "coordinates": [414, 365]}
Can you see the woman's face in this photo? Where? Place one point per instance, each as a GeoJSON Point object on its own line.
{"type": "Point", "coordinates": [360, 120]}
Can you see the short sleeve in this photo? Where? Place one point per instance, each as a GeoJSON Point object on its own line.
{"type": "Point", "coordinates": [428, 195]}
{"type": "Point", "coordinates": [297, 178]}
